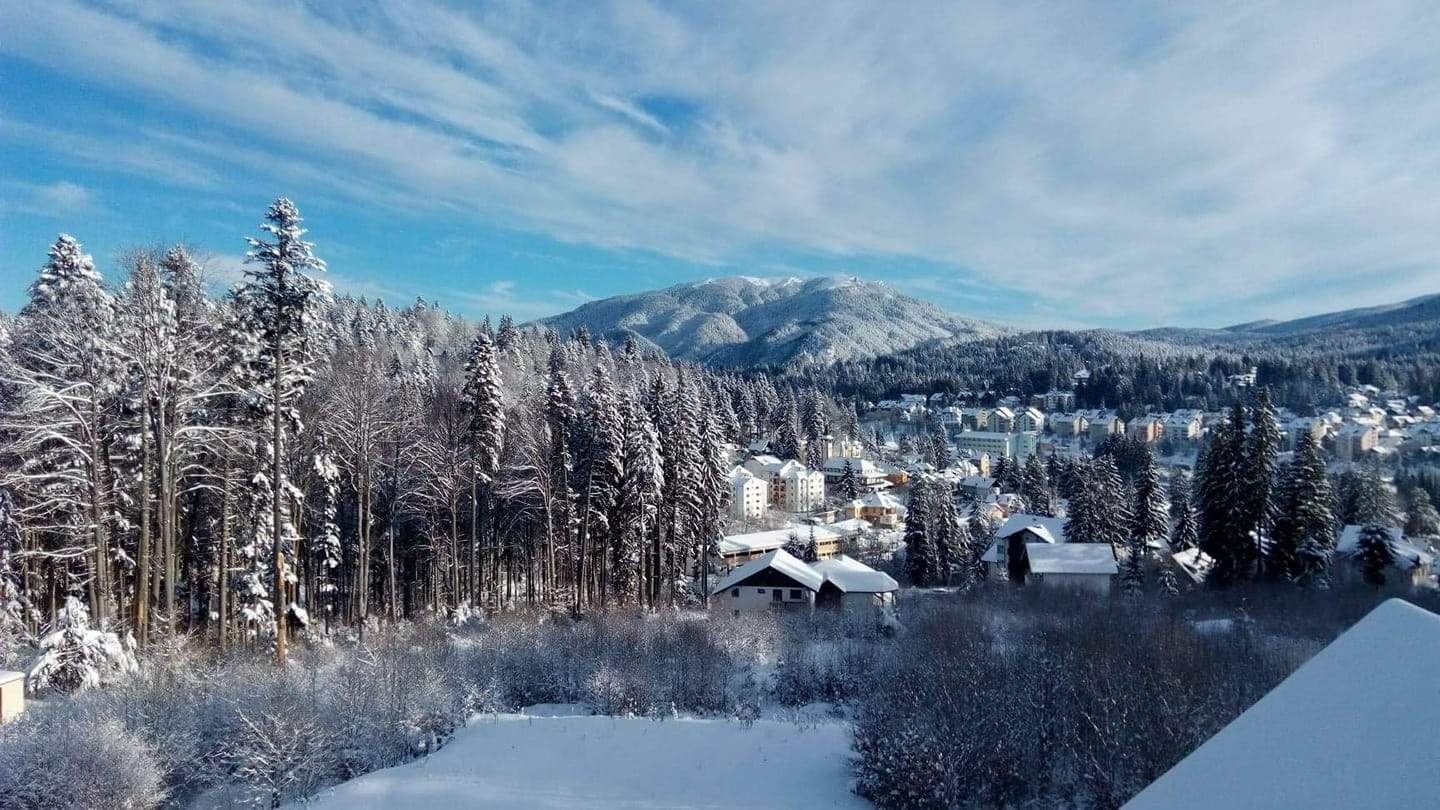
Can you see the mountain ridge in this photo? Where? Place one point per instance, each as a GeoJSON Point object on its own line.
{"type": "Point", "coordinates": [753, 321]}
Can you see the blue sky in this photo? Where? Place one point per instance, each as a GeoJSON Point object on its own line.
{"type": "Point", "coordinates": [1119, 163]}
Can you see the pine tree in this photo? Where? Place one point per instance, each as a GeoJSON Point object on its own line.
{"type": "Point", "coordinates": [812, 549]}
{"type": "Point", "coordinates": [1422, 519]}
{"type": "Point", "coordinates": [816, 425]}
{"type": "Point", "coordinates": [1186, 534]}
{"type": "Point", "coordinates": [848, 489]}
{"type": "Point", "coordinates": [1305, 530]}
{"type": "Point", "coordinates": [62, 372]}
{"type": "Point", "coordinates": [1150, 524]}
{"type": "Point", "coordinates": [483, 410]}
{"type": "Point", "coordinates": [1035, 487]}
{"type": "Point", "coordinates": [922, 560]}
{"type": "Point", "coordinates": [787, 434]}
{"type": "Point", "coordinates": [1373, 553]}
{"type": "Point", "coordinates": [940, 447]}
{"type": "Point", "coordinates": [1259, 484]}
{"type": "Point", "coordinates": [640, 489]}
{"type": "Point", "coordinates": [1222, 533]}
{"type": "Point", "coordinates": [282, 301]}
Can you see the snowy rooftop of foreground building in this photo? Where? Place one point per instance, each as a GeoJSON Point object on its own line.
{"type": "Point", "coordinates": [1049, 529]}
{"type": "Point", "coordinates": [6, 676]}
{"type": "Point", "coordinates": [1064, 558]}
{"type": "Point", "coordinates": [1405, 550]}
{"type": "Point", "coordinates": [1353, 727]}
{"type": "Point", "coordinates": [852, 576]}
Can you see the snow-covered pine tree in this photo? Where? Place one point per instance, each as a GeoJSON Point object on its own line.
{"type": "Point", "coordinates": [940, 454]}
{"type": "Point", "coordinates": [74, 656]}
{"type": "Point", "coordinates": [326, 534]}
{"type": "Point", "coordinates": [1186, 534]}
{"type": "Point", "coordinates": [1305, 530]}
{"type": "Point", "coordinates": [787, 432]}
{"type": "Point", "coordinates": [63, 373]}
{"type": "Point", "coordinates": [1259, 484]}
{"type": "Point", "coordinates": [1373, 553]}
{"type": "Point", "coordinates": [282, 299]}
{"type": "Point", "coordinates": [812, 549]}
{"type": "Point", "coordinates": [922, 560]}
{"type": "Point", "coordinates": [1421, 518]}
{"type": "Point", "coordinates": [1220, 480]}
{"type": "Point", "coordinates": [601, 465]}
{"type": "Point", "coordinates": [1113, 516]}
{"type": "Point", "coordinates": [640, 489]}
{"type": "Point", "coordinates": [1150, 524]}
{"type": "Point", "coordinates": [1035, 486]}
{"type": "Point", "coordinates": [484, 408]}
{"type": "Point", "coordinates": [848, 488]}
{"type": "Point", "coordinates": [817, 427]}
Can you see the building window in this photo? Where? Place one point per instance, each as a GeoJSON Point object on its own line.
{"type": "Point", "coordinates": [735, 593]}
{"type": "Point", "coordinates": [795, 593]}
{"type": "Point", "coordinates": [759, 590]}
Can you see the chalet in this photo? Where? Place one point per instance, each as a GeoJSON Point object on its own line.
{"type": "Point", "coordinates": [774, 580]}
{"type": "Point", "coordinates": [1412, 564]}
{"type": "Point", "coordinates": [852, 585]}
{"type": "Point", "coordinates": [1147, 429]}
{"type": "Point", "coordinates": [1030, 419]}
{"type": "Point", "coordinates": [881, 509]}
{"type": "Point", "coordinates": [1032, 528]}
{"type": "Point", "coordinates": [1182, 426]}
{"type": "Point", "coordinates": [12, 695]}
{"type": "Point", "coordinates": [1087, 566]}
{"type": "Point", "coordinates": [777, 580]}
{"type": "Point", "coordinates": [793, 487]}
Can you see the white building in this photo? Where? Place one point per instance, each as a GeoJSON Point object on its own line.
{"type": "Point", "coordinates": [1002, 420]}
{"type": "Point", "coordinates": [793, 488]}
{"type": "Point", "coordinates": [1182, 426]}
{"type": "Point", "coordinates": [749, 495]}
{"type": "Point", "coordinates": [1412, 563]}
{"type": "Point", "coordinates": [986, 441]}
{"type": "Point", "coordinates": [12, 695]}
{"type": "Point", "coordinates": [1030, 419]}
{"type": "Point", "coordinates": [851, 585]}
{"type": "Point", "coordinates": [1354, 439]}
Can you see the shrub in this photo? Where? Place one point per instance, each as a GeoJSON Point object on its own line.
{"type": "Point", "coordinates": [59, 759]}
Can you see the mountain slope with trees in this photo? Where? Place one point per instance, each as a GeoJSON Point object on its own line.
{"type": "Point", "coordinates": [740, 321]}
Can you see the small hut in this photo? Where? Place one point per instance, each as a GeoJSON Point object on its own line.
{"type": "Point", "coordinates": [12, 695]}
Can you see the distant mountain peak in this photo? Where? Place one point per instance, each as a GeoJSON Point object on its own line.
{"type": "Point", "coordinates": [753, 320]}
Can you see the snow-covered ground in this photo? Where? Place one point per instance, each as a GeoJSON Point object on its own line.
{"type": "Point", "coordinates": [539, 760]}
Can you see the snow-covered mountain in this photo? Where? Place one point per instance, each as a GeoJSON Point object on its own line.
{"type": "Point", "coordinates": [1414, 310]}
{"type": "Point", "coordinates": [744, 321]}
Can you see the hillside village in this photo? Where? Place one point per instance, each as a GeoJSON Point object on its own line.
{"type": "Point", "coordinates": [856, 501]}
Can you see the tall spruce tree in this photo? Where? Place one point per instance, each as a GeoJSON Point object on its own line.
{"type": "Point", "coordinates": [1259, 483]}
{"type": "Point", "coordinates": [922, 559]}
{"type": "Point", "coordinates": [1221, 483]}
{"type": "Point", "coordinates": [283, 299]}
{"type": "Point", "coordinates": [1305, 528]}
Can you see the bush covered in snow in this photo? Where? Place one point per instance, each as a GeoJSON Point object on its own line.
{"type": "Point", "coordinates": [74, 656]}
{"type": "Point", "coordinates": [65, 759]}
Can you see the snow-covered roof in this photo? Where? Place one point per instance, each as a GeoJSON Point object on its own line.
{"type": "Point", "coordinates": [740, 474]}
{"type": "Point", "coordinates": [1353, 727]}
{"type": "Point", "coordinates": [1404, 549]}
{"type": "Point", "coordinates": [1064, 558]}
{"type": "Point", "coordinates": [881, 500]}
{"type": "Point", "coordinates": [775, 538]}
{"type": "Point", "coordinates": [1049, 529]}
{"type": "Point", "coordinates": [1071, 558]}
{"type": "Point", "coordinates": [7, 675]}
{"type": "Point", "coordinates": [861, 466]}
{"type": "Point", "coordinates": [851, 526]}
{"type": "Point", "coordinates": [852, 576]}
{"type": "Point", "coordinates": [781, 561]}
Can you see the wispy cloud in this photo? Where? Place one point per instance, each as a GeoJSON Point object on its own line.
{"type": "Point", "coordinates": [505, 297]}
{"type": "Point", "coordinates": [1114, 163]}
{"type": "Point", "coordinates": [58, 199]}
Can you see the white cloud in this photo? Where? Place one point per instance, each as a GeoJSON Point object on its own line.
{"type": "Point", "coordinates": [57, 199]}
{"type": "Point", "coordinates": [1112, 162]}
{"type": "Point", "coordinates": [504, 297]}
